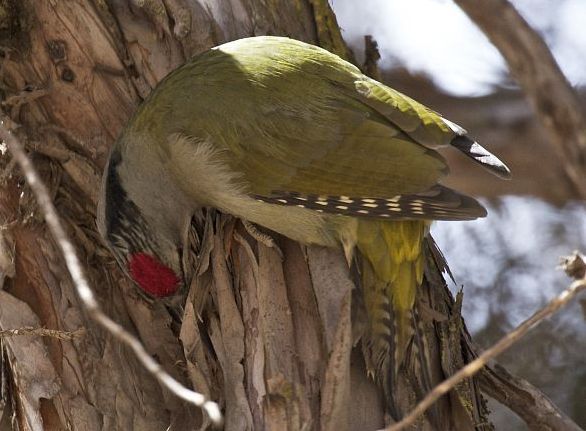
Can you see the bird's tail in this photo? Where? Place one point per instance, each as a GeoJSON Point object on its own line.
{"type": "Point", "coordinates": [392, 268]}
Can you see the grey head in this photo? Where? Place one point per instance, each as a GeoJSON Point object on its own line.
{"type": "Point", "coordinates": [145, 247]}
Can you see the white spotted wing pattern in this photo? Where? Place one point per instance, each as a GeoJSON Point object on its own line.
{"type": "Point", "coordinates": [437, 203]}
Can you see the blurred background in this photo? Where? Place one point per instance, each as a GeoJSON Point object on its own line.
{"type": "Point", "coordinates": [507, 262]}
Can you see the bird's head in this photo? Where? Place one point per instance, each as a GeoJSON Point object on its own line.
{"type": "Point", "coordinates": [142, 233]}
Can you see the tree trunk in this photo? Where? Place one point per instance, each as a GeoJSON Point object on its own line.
{"type": "Point", "coordinates": [270, 339]}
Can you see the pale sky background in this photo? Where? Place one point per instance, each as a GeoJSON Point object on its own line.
{"type": "Point", "coordinates": [506, 264]}
{"type": "Point", "coordinates": [435, 37]}
{"type": "Point", "coordinates": [516, 250]}
{"type": "Point", "coordinates": [507, 261]}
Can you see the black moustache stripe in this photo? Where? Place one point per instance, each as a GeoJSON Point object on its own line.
{"type": "Point", "coordinates": [124, 222]}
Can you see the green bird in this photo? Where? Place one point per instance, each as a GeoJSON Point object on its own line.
{"type": "Point", "coordinates": [290, 137]}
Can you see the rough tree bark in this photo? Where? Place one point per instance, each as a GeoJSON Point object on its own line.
{"type": "Point", "coordinates": [269, 339]}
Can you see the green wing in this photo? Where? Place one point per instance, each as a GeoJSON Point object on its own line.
{"type": "Point", "coordinates": [311, 128]}
{"type": "Point", "coordinates": [347, 157]}
{"type": "Point", "coordinates": [341, 152]}
{"type": "Point", "coordinates": [297, 120]}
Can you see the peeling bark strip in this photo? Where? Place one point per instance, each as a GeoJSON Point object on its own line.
{"type": "Point", "coordinates": [271, 340]}
{"type": "Point", "coordinates": [87, 298]}
{"type": "Point", "coordinates": [552, 419]}
{"type": "Point", "coordinates": [34, 374]}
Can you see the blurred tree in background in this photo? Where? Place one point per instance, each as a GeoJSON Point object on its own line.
{"type": "Point", "coordinates": [432, 51]}
{"type": "Point", "coordinates": [271, 340]}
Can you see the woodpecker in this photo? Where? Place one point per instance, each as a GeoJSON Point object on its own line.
{"type": "Point", "coordinates": [290, 137]}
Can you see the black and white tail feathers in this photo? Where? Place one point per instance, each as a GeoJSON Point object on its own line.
{"type": "Point", "coordinates": [481, 155]}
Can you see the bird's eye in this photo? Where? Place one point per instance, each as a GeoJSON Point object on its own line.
{"type": "Point", "coordinates": [152, 276]}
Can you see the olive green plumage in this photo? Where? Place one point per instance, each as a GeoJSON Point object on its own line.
{"type": "Point", "coordinates": [295, 117]}
{"type": "Point", "coordinates": [392, 271]}
{"type": "Point", "coordinates": [293, 138]}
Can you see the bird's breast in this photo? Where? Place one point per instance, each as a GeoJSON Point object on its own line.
{"type": "Point", "coordinates": [200, 170]}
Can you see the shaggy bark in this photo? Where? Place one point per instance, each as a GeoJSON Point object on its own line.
{"type": "Point", "coordinates": [270, 339]}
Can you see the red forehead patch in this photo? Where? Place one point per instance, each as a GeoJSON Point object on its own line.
{"type": "Point", "coordinates": [152, 276]}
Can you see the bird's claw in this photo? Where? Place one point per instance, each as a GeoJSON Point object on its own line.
{"type": "Point", "coordinates": [262, 237]}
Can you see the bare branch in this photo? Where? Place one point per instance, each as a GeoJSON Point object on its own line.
{"type": "Point", "coordinates": [528, 402]}
{"type": "Point", "coordinates": [533, 65]}
{"type": "Point", "coordinates": [574, 265]}
{"type": "Point", "coordinates": [503, 344]}
{"type": "Point", "coordinates": [82, 286]}
{"type": "Point", "coordinates": [42, 332]}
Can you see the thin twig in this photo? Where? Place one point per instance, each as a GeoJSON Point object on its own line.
{"type": "Point", "coordinates": [503, 344]}
{"type": "Point", "coordinates": [42, 332]}
{"type": "Point", "coordinates": [82, 286]}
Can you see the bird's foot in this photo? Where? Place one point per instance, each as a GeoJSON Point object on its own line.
{"type": "Point", "coordinates": [261, 237]}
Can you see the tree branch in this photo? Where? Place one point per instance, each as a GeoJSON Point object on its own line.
{"type": "Point", "coordinates": [503, 344]}
{"type": "Point", "coordinates": [83, 289]}
{"type": "Point", "coordinates": [533, 65]}
{"type": "Point", "coordinates": [42, 332]}
{"type": "Point", "coordinates": [528, 402]}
